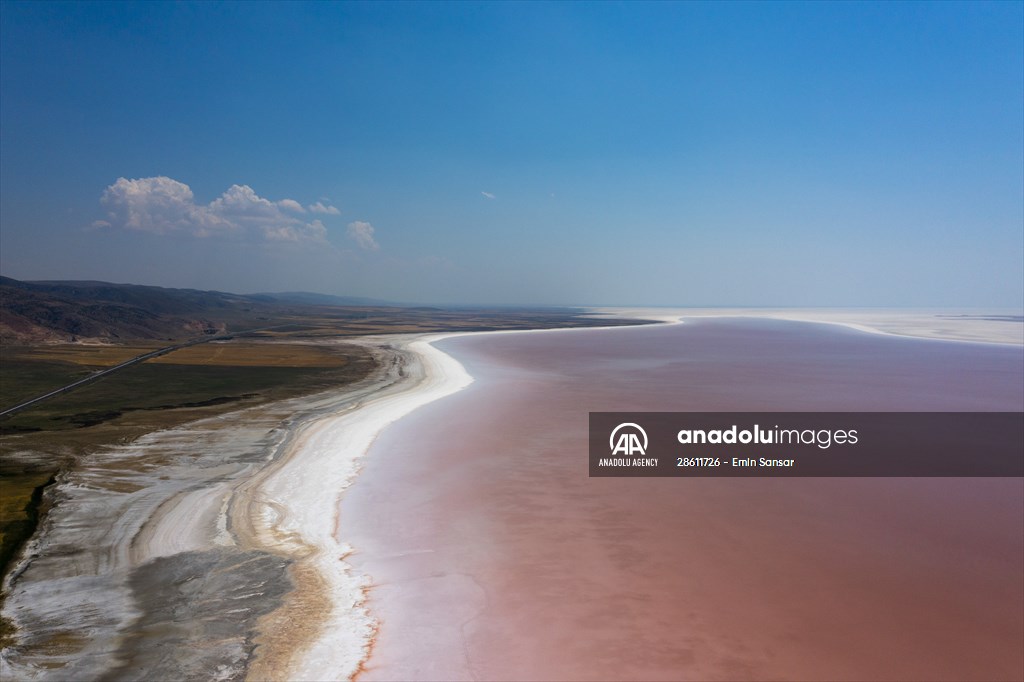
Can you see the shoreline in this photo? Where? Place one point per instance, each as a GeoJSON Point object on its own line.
{"type": "Point", "coordinates": [154, 524]}
{"type": "Point", "coordinates": [295, 509]}
{"type": "Point", "coordinates": [315, 539]}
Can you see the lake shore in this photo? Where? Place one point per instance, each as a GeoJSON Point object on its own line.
{"type": "Point", "coordinates": [185, 539]}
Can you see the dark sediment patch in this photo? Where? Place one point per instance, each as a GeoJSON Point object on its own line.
{"type": "Point", "coordinates": [199, 614]}
{"type": "Point", "coordinates": [87, 419]}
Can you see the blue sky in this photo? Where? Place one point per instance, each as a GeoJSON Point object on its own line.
{"type": "Point", "coordinates": [772, 154]}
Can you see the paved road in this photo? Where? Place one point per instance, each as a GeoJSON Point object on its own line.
{"type": "Point", "coordinates": [99, 375]}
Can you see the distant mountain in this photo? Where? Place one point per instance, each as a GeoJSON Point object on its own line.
{"type": "Point", "coordinates": [310, 298]}
{"type": "Point", "coordinates": [61, 311]}
{"type": "Point", "coordinates": [159, 300]}
{"type": "Point", "coordinates": [72, 311]}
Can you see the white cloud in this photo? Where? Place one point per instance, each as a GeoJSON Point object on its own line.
{"type": "Point", "coordinates": [164, 206]}
{"type": "Point", "coordinates": [314, 231]}
{"type": "Point", "coordinates": [159, 205]}
{"type": "Point", "coordinates": [326, 209]}
{"type": "Point", "coordinates": [488, 195]}
{"type": "Point", "coordinates": [291, 205]}
{"type": "Point", "coordinates": [362, 233]}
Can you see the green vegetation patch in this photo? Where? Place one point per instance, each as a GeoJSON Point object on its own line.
{"type": "Point", "coordinates": [22, 378]}
{"type": "Point", "coordinates": [20, 496]}
{"type": "Point", "coordinates": [160, 386]}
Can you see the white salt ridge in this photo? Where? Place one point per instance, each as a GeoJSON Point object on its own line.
{"type": "Point", "coordinates": [302, 502]}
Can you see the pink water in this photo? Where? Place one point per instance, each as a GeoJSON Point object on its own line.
{"type": "Point", "coordinates": [495, 557]}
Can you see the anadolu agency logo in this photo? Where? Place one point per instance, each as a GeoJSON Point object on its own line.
{"type": "Point", "coordinates": [628, 445]}
{"type": "Point", "coordinates": [626, 440]}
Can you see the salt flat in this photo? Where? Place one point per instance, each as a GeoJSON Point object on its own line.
{"type": "Point", "coordinates": [954, 324]}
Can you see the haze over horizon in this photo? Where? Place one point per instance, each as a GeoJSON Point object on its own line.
{"type": "Point", "coordinates": [762, 154]}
